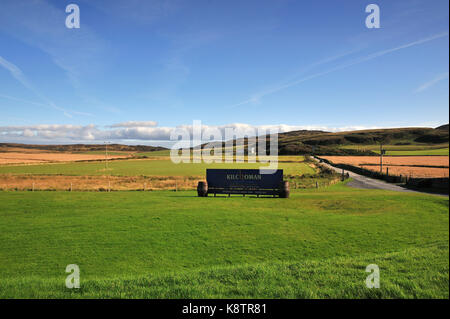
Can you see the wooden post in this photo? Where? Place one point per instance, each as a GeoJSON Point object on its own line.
{"type": "Point", "coordinates": [145, 186]}
{"type": "Point", "coordinates": [317, 185]}
{"type": "Point", "coordinates": [109, 186]}
{"type": "Point", "coordinates": [33, 187]}
{"type": "Point", "coordinates": [70, 186]}
{"type": "Point", "coordinates": [387, 171]}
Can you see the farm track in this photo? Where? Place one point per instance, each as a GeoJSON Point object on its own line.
{"type": "Point", "coordinates": [363, 182]}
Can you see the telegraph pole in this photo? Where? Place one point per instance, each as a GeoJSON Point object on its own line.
{"type": "Point", "coordinates": [106, 155]}
{"type": "Point", "coordinates": [381, 158]}
{"type": "Point", "coordinates": [106, 166]}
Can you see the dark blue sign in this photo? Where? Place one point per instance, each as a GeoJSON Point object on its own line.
{"type": "Point", "coordinates": [243, 181]}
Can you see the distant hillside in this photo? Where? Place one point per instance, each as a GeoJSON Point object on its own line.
{"type": "Point", "coordinates": [442, 127]}
{"type": "Point", "coordinates": [294, 142]}
{"type": "Point", "coordinates": [391, 136]}
{"type": "Point", "coordinates": [84, 147]}
{"type": "Point", "coordinates": [327, 143]}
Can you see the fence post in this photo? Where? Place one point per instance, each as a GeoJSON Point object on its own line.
{"type": "Point", "coordinates": [70, 186]}
{"type": "Point", "coordinates": [33, 187]}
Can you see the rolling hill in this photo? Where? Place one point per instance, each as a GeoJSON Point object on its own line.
{"type": "Point", "coordinates": [362, 142]}
{"type": "Point", "coordinates": [77, 148]}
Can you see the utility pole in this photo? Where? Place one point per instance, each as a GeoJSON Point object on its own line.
{"type": "Point", "coordinates": [381, 158]}
{"type": "Point", "coordinates": [106, 166]}
{"type": "Point", "coordinates": [106, 155]}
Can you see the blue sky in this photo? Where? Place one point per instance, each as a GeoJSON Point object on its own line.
{"type": "Point", "coordinates": [298, 64]}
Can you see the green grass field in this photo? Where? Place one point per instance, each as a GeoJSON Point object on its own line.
{"type": "Point", "coordinates": [159, 167]}
{"type": "Point", "coordinates": [404, 150]}
{"type": "Point", "coordinates": [103, 153]}
{"type": "Point", "coordinates": [154, 153]}
{"type": "Point", "coordinates": [439, 151]}
{"type": "Point", "coordinates": [138, 154]}
{"type": "Point", "coordinates": [165, 244]}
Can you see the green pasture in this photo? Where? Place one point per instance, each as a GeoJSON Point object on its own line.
{"type": "Point", "coordinates": [165, 244]}
{"type": "Point", "coordinates": [112, 153]}
{"type": "Point", "coordinates": [146, 167]}
{"type": "Point", "coordinates": [439, 151]}
{"type": "Point", "coordinates": [154, 153]}
{"type": "Point", "coordinates": [405, 150]}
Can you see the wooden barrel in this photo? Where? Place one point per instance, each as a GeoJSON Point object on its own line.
{"type": "Point", "coordinates": [202, 189]}
{"type": "Point", "coordinates": [284, 190]}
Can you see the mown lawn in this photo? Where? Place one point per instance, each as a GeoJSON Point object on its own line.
{"type": "Point", "coordinates": [164, 244]}
{"type": "Point", "coordinates": [148, 167]}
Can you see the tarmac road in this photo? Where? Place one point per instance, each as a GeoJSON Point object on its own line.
{"type": "Point", "coordinates": [360, 181]}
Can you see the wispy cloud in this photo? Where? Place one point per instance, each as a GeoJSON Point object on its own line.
{"type": "Point", "coordinates": [138, 11]}
{"type": "Point", "coordinates": [135, 124]}
{"type": "Point", "coordinates": [17, 74]}
{"type": "Point", "coordinates": [41, 25]}
{"type": "Point", "coordinates": [258, 96]}
{"type": "Point", "coordinates": [52, 106]}
{"type": "Point", "coordinates": [427, 85]}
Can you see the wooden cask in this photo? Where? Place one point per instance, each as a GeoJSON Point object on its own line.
{"type": "Point", "coordinates": [284, 190]}
{"type": "Point", "coordinates": [202, 189]}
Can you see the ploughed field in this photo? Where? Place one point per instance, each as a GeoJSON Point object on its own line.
{"type": "Point", "coordinates": [164, 244]}
{"type": "Point", "coordinates": [413, 166]}
{"type": "Point", "coordinates": [48, 157]}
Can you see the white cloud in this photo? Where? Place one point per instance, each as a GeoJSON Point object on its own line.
{"type": "Point", "coordinates": [135, 124]}
{"type": "Point", "coordinates": [432, 82]}
{"type": "Point", "coordinates": [56, 133]}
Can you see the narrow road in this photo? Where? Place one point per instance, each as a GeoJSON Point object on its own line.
{"type": "Point", "coordinates": [360, 181]}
